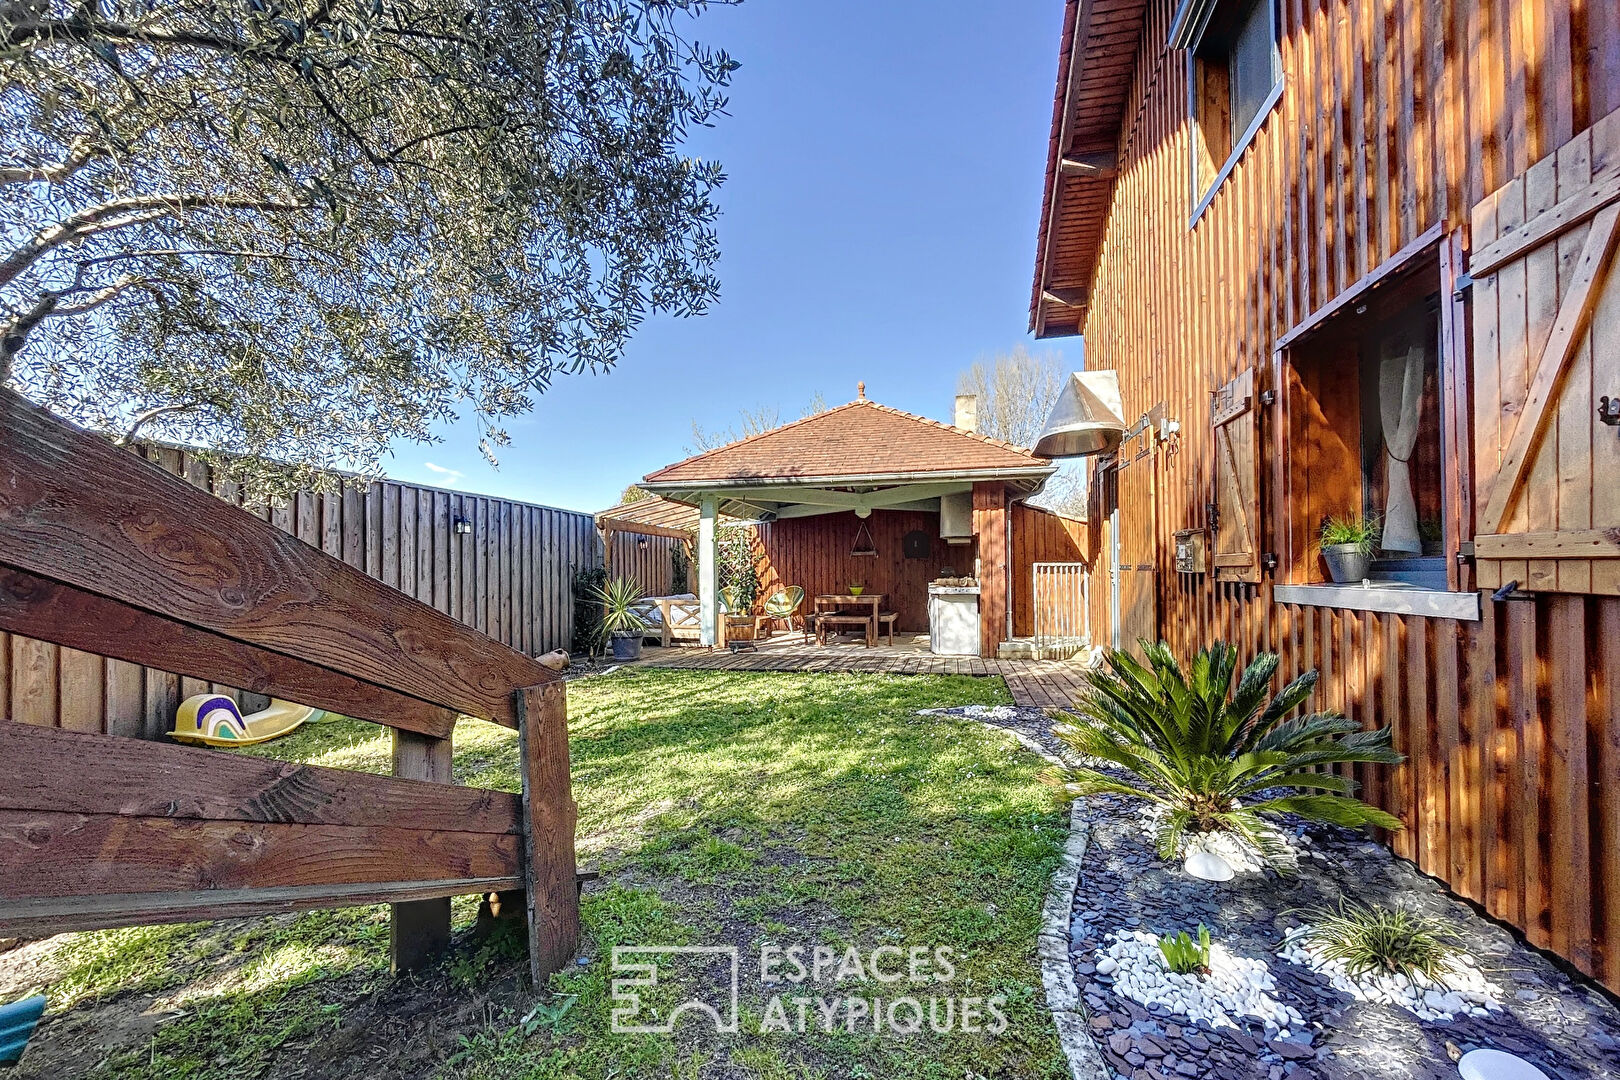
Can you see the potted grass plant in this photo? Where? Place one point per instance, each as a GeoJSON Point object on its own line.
{"type": "Point", "coordinates": [1347, 546]}
{"type": "Point", "coordinates": [623, 624]}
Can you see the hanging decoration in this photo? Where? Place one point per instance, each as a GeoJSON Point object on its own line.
{"type": "Point", "coordinates": [863, 542]}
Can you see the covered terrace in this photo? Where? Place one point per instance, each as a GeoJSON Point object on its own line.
{"type": "Point", "coordinates": [864, 494]}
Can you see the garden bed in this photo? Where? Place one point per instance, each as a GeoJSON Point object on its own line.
{"type": "Point", "coordinates": [1565, 1027]}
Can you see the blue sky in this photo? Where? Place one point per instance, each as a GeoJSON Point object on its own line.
{"type": "Point", "coordinates": [885, 164]}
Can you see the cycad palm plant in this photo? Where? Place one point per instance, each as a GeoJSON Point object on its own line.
{"type": "Point", "coordinates": [1213, 756]}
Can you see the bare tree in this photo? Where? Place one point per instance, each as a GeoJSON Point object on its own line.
{"type": "Point", "coordinates": [1016, 391]}
{"type": "Point", "coordinates": [749, 422]}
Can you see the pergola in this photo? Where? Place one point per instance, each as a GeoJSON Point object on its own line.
{"type": "Point", "coordinates": [857, 457]}
{"type": "Point", "coordinates": [647, 517]}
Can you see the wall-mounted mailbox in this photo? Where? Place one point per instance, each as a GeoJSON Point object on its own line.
{"type": "Point", "coordinates": [1190, 551]}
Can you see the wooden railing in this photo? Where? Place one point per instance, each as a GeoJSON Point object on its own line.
{"type": "Point", "coordinates": [103, 552]}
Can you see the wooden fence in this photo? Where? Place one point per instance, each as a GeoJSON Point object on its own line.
{"type": "Point", "coordinates": [105, 554]}
{"type": "Point", "coordinates": [649, 562]}
{"type": "Point", "coordinates": [509, 577]}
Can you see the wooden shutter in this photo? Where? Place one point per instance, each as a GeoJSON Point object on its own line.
{"type": "Point", "coordinates": [1546, 320]}
{"type": "Point", "coordinates": [1236, 554]}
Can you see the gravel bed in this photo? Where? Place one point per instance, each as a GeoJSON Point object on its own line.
{"type": "Point", "coordinates": [1032, 726]}
{"type": "Point", "coordinates": [1566, 1027]}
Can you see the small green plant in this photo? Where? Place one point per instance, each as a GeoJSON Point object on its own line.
{"type": "Point", "coordinates": [619, 598]}
{"type": "Point", "coordinates": [1372, 939]}
{"type": "Point", "coordinates": [1362, 532]}
{"type": "Point", "coordinates": [1217, 756]}
{"type": "Point", "coordinates": [1186, 955]}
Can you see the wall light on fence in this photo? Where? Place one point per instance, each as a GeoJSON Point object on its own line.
{"type": "Point", "coordinates": [642, 543]}
{"type": "Point", "coordinates": [462, 525]}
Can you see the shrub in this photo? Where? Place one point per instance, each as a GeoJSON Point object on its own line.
{"type": "Point", "coordinates": [1203, 750]}
{"type": "Point", "coordinates": [618, 599]}
{"type": "Point", "coordinates": [587, 613]}
{"type": "Point", "coordinates": [1368, 938]}
{"type": "Point", "coordinates": [1184, 955]}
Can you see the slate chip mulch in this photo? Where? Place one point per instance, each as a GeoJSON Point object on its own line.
{"type": "Point", "coordinates": [1565, 1026]}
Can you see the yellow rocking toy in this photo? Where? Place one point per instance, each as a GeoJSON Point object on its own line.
{"type": "Point", "coordinates": [215, 720]}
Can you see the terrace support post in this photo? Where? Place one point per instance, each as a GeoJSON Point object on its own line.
{"type": "Point", "coordinates": [990, 525]}
{"type": "Point", "coordinates": [708, 571]}
{"type": "Point", "coordinates": [549, 817]}
{"type": "Point", "coordinates": [419, 930]}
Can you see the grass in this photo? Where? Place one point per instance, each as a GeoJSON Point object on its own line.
{"type": "Point", "coordinates": [747, 809]}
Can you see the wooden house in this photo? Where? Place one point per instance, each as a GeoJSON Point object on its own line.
{"type": "Point", "coordinates": [866, 495]}
{"type": "Point", "coordinates": [1357, 257]}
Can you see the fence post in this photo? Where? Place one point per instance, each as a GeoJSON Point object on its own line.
{"type": "Point", "coordinates": [420, 930]}
{"type": "Point", "coordinates": [549, 816]}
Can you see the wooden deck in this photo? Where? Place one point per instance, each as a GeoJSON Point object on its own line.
{"type": "Point", "coordinates": [1040, 683]}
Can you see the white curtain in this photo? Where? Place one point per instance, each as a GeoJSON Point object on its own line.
{"type": "Point", "coordinates": [1400, 394]}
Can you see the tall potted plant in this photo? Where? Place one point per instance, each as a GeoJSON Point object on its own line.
{"type": "Point", "coordinates": [622, 621]}
{"type": "Point", "coordinates": [1347, 546]}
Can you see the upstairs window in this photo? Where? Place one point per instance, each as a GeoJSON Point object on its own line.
{"type": "Point", "coordinates": [1233, 74]}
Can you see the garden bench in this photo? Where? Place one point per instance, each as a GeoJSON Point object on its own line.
{"type": "Point", "coordinates": [865, 622]}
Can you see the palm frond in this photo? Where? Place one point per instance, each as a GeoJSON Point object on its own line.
{"type": "Point", "coordinates": [1332, 809]}
{"type": "Point", "coordinates": [1198, 742]}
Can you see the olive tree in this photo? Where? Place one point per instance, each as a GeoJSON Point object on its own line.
{"type": "Point", "coordinates": [302, 229]}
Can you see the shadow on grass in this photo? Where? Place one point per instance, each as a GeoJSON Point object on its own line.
{"type": "Point", "coordinates": [732, 808]}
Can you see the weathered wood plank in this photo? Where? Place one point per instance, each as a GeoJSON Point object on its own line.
{"type": "Point", "coordinates": [77, 773]}
{"type": "Point", "coordinates": [420, 929]}
{"type": "Point", "coordinates": [549, 816]}
{"type": "Point", "coordinates": [51, 854]}
{"type": "Point", "coordinates": [45, 609]}
{"type": "Point", "coordinates": [155, 542]}
{"type": "Point", "coordinates": [43, 916]}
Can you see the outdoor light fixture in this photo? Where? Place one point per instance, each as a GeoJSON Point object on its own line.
{"type": "Point", "coordinates": [641, 543]}
{"type": "Point", "coordinates": [462, 525]}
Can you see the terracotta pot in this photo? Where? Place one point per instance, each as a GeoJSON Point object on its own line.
{"type": "Point", "coordinates": [1347, 563]}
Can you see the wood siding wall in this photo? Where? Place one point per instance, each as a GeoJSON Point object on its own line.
{"type": "Point", "coordinates": [509, 578]}
{"type": "Point", "coordinates": [651, 567]}
{"type": "Point", "coordinates": [814, 553]}
{"type": "Point", "coordinates": [1395, 119]}
{"type": "Point", "coordinates": [1040, 536]}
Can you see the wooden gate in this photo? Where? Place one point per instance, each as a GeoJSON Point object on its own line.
{"type": "Point", "coordinates": [103, 552]}
{"type": "Point", "coordinates": [1546, 320]}
{"type": "Point", "coordinates": [1136, 612]}
{"type": "Point", "coordinates": [1062, 603]}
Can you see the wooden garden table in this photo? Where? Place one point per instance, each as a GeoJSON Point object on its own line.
{"type": "Point", "coordinates": [833, 601]}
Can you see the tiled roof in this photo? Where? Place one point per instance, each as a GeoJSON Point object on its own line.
{"type": "Point", "coordinates": [862, 438]}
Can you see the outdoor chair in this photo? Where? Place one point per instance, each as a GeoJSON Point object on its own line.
{"type": "Point", "coordinates": [783, 606]}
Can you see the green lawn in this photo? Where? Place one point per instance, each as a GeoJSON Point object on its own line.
{"type": "Point", "coordinates": [722, 809]}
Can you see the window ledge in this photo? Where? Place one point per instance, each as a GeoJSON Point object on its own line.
{"type": "Point", "coordinates": [1388, 596]}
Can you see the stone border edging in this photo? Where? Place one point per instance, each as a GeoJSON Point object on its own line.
{"type": "Point", "coordinates": [1052, 944]}
{"type": "Point", "coordinates": [1057, 972]}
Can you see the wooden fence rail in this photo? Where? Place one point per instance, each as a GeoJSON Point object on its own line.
{"type": "Point", "coordinates": [509, 578]}
{"type": "Point", "coordinates": [99, 550]}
